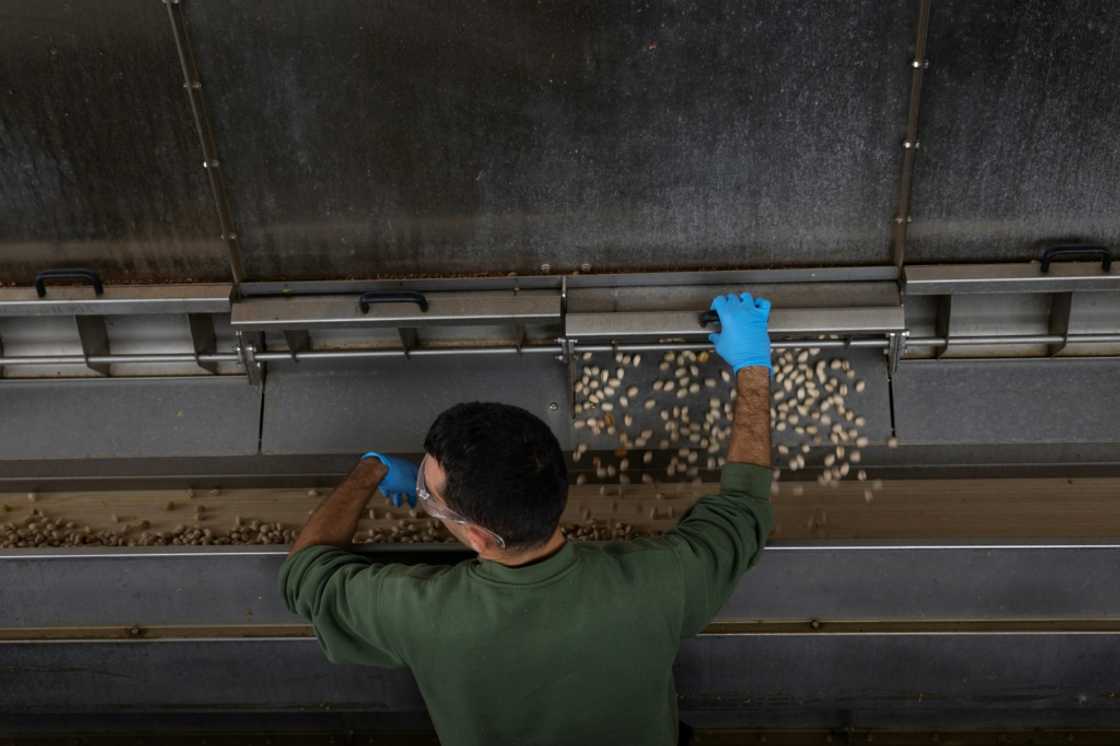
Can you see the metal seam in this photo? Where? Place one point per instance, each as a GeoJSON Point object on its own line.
{"type": "Point", "coordinates": [192, 84]}
{"type": "Point", "coordinates": [911, 143]}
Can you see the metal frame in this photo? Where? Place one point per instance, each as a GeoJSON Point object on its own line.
{"type": "Point", "coordinates": [910, 143]}
{"type": "Point", "coordinates": [117, 300]}
{"type": "Point", "coordinates": [192, 84]}
{"type": "Point", "coordinates": [313, 312]}
{"type": "Point", "coordinates": [783, 322]}
{"type": "Point", "coordinates": [1014, 277]}
{"type": "Point", "coordinates": [516, 301]}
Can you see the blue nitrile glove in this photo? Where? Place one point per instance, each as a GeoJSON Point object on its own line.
{"type": "Point", "coordinates": [400, 481]}
{"type": "Point", "coordinates": [742, 339]}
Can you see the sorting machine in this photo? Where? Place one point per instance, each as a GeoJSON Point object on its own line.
{"type": "Point", "coordinates": [400, 207]}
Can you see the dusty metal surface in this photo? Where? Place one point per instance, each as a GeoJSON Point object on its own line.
{"type": "Point", "coordinates": [984, 680]}
{"type": "Point", "coordinates": [100, 162]}
{"type": "Point", "coordinates": [350, 408]}
{"type": "Point", "coordinates": [1008, 401]}
{"type": "Point", "coordinates": [502, 137]}
{"type": "Point", "coordinates": [154, 417]}
{"type": "Point", "coordinates": [969, 587]}
{"type": "Point", "coordinates": [1018, 143]}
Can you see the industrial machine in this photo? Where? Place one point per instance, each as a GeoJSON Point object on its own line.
{"type": "Point", "coordinates": [240, 244]}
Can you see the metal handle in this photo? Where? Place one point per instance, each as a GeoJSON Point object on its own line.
{"type": "Point", "coordinates": [1071, 250]}
{"type": "Point", "coordinates": [381, 296]}
{"type": "Point", "coordinates": [708, 317]}
{"type": "Point", "coordinates": [67, 274]}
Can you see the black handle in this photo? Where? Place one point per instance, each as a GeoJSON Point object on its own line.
{"type": "Point", "coordinates": [708, 317]}
{"type": "Point", "coordinates": [67, 274]}
{"type": "Point", "coordinates": [1071, 250]}
{"type": "Point", "coordinates": [393, 296]}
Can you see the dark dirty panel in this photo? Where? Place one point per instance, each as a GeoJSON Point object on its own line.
{"type": "Point", "coordinates": [369, 138]}
{"type": "Point", "coordinates": [390, 404]}
{"type": "Point", "coordinates": [101, 165]}
{"type": "Point", "coordinates": [1007, 401]}
{"type": "Point", "coordinates": [901, 681]}
{"type": "Point", "coordinates": [798, 681]}
{"type": "Point", "coordinates": [138, 418]}
{"type": "Point", "coordinates": [1018, 129]}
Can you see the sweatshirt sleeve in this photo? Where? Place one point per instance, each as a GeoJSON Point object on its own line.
{"type": "Point", "coordinates": [338, 592]}
{"type": "Point", "coordinates": [719, 539]}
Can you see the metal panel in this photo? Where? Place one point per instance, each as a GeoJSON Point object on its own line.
{"type": "Point", "coordinates": [941, 681]}
{"type": "Point", "coordinates": [799, 681]}
{"type": "Point", "coordinates": [1008, 401]}
{"type": "Point", "coordinates": [306, 470]}
{"type": "Point", "coordinates": [101, 165]}
{"type": "Point", "coordinates": [958, 279]}
{"type": "Point", "coordinates": [310, 312]}
{"type": "Point", "coordinates": [154, 417]}
{"type": "Point", "coordinates": [829, 582]}
{"type": "Point", "coordinates": [495, 137]}
{"type": "Point", "coordinates": [120, 300]}
{"type": "Point", "coordinates": [178, 676]}
{"type": "Point", "coordinates": [1018, 143]}
{"type": "Point", "coordinates": [390, 403]}
{"type": "Point", "coordinates": [783, 321]}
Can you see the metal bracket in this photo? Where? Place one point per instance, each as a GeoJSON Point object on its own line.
{"type": "Point", "coordinates": [896, 348]}
{"type": "Point", "coordinates": [203, 339]}
{"type": "Point", "coordinates": [942, 324]}
{"type": "Point", "coordinates": [567, 356]}
{"type": "Point", "coordinates": [247, 352]}
{"type": "Point", "coordinates": [1060, 307]}
{"type": "Point", "coordinates": [95, 341]}
{"type": "Point", "coordinates": [298, 340]}
{"type": "Point", "coordinates": [410, 339]}
{"type": "Point", "coordinates": [567, 349]}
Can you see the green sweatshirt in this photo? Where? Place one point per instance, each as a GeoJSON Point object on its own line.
{"type": "Point", "coordinates": [576, 648]}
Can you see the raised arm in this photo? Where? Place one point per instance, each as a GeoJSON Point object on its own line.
{"type": "Point", "coordinates": [723, 535]}
{"type": "Point", "coordinates": [343, 594]}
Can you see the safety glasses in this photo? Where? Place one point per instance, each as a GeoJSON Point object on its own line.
{"type": "Point", "coordinates": [439, 510]}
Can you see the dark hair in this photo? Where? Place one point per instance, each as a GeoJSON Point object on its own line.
{"type": "Point", "coordinates": [505, 470]}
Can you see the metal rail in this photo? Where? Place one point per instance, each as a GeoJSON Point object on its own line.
{"type": "Point", "coordinates": [192, 84]}
{"type": "Point", "coordinates": [320, 355]}
{"type": "Point", "coordinates": [910, 143]}
{"type": "Point", "coordinates": [745, 628]}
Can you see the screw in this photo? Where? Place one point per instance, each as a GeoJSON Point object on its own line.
{"type": "Point", "coordinates": [585, 267]}
{"type": "Point", "coordinates": [546, 267]}
{"type": "Point", "coordinates": [553, 406]}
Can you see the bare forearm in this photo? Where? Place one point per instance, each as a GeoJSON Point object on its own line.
{"type": "Point", "coordinates": [750, 428]}
{"type": "Point", "coordinates": [336, 519]}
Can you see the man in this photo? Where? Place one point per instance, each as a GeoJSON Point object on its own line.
{"type": "Point", "coordinates": [539, 640]}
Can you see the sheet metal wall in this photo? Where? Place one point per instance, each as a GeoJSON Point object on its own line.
{"type": "Point", "coordinates": [1018, 132]}
{"type": "Point", "coordinates": [364, 139]}
{"type": "Point", "coordinates": [99, 162]}
{"type": "Point", "coordinates": [391, 138]}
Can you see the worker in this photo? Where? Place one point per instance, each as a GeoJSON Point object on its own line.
{"type": "Point", "coordinates": [538, 640]}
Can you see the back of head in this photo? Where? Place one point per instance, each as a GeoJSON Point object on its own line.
{"type": "Point", "coordinates": [505, 470]}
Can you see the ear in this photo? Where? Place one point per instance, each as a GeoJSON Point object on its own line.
{"type": "Point", "coordinates": [480, 541]}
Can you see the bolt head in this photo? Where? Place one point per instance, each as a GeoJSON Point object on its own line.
{"type": "Point", "coordinates": [546, 267]}
{"type": "Point", "coordinates": [553, 406]}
